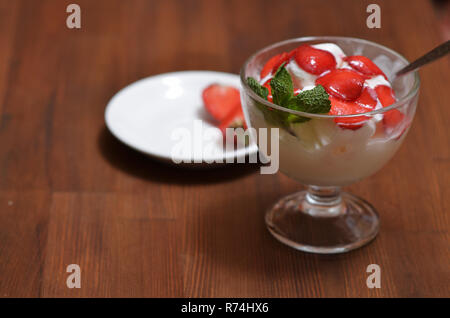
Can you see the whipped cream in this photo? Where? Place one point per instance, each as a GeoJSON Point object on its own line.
{"type": "Point", "coordinates": [335, 50]}
{"type": "Point", "coordinates": [375, 81]}
{"type": "Point", "coordinates": [300, 77]}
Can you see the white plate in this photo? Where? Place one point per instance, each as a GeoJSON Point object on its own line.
{"type": "Point", "coordinates": [146, 114]}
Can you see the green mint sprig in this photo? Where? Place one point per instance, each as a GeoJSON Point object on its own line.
{"type": "Point", "coordinates": [314, 101]}
{"type": "Point", "coordinates": [261, 91]}
{"type": "Point", "coordinates": [282, 87]}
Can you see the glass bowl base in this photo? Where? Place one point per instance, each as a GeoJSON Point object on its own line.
{"type": "Point", "coordinates": [344, 225]}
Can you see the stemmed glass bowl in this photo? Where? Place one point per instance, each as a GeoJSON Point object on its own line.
{"type": "Point", "coordinates": [324, 156]}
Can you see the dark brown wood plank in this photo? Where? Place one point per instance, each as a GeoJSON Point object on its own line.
{"type": "Point", "coordinates": [8, 23]}
{"type": "Point", "coordinates": [123, 247]}
{"type": "Point", "coordinates": [23, 237]}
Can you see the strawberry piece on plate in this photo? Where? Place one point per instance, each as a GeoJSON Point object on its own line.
{"type": "Point", "coordinates": [342, 83]}
{"type": "Point", "coordinates": [314, 61]}
{"type": "Point", "coordinates": [234, 120]}
{"type": "Point", "coordinates": [221, 100]}
{"type": "Point", "coordinates": [274, 63]}
{"type": "Point", "coordinates": [340, 107]}
{"type": "Point", "coordinates": [364, 65]}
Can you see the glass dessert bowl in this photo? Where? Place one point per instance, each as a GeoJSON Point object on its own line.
{"type": "Point", "coordinates": [342, 122]}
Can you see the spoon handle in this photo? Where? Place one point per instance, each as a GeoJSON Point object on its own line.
{"type": "Point", "coordinates": [434, 54]}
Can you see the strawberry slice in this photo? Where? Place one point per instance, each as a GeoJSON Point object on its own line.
{"type": "Point", "coordinates": [367, 99]}
{"type": "Point", "coordinates": [385, 95]}
{"type": "Point", "coordinates": [267, 85]}
{"type": "Point", "coordinates": [340, 107]}
{"type": "Point", "coordinates": [342, 83]}
{"type": "Point", "coordinates": [364, 65]}
{"type": "Point", "coordinates": [314, 61]}
{"type": "Point", "coordinates": [274, 63]}
{"type": "Point", "coordinates": [221, 100]}
{"type": "Point", "coordinates": [292, 54]}
{"type": "Point", "coordinates": [392, 118]}
{"type": "Point", "coordinates": [234, 120]}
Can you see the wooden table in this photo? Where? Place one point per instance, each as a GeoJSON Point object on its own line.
{"type": "Point", "coordinates": [71, 194]}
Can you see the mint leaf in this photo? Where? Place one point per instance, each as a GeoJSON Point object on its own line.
{"type": "Point", "coordinates": [261, 91]}
{"type": "Point", "coordinates": [314, 101]}
{"type": "Point", "coordinates": [282, 86]}
{"type": "Point", "coordinates": [273, 116]}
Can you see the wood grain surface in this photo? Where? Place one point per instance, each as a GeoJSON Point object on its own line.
{"type": "Point", "coordinates": [71, 194]}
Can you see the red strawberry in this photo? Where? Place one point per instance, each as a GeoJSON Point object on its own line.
{"type": "Point", "coordinates": [385, 95]}
{"type": "Point", "coordinates": [267, 85]}
{"type": "Point", "coordinates": [366, 99]}
{"type": "Point", "coordinates": [292, 54]}
{"type": "Point", "coordinates": [221, 100]}
{"type": "Point", "coordinates": [313, 60]}
{"type": "Point", "coordinates": [392, 118]}
{"type": "Point", "coordinates": [269, 66]}
{"type": "Point", "coordinates": [342, 83]}
{"type": "Point", "coordinates": [234, 120]}
{"type": "Point", "coordinates": [273, 64]}
{"type": "Point", "coordinates": [340, 107]}
{"type": "Point", "coordinates": [364, 65]}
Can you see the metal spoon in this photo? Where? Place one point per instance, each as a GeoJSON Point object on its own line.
{"type": "Point", "coordinates": [434, 54]}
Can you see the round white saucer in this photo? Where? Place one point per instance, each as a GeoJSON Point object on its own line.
{"type": "Point", "coordinates": [152, 114]}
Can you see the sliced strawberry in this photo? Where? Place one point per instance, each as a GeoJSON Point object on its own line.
{"type": "Point", "coordinates": [314, 61]}
{"type": "Point", "coordinates": [273, 64]}
{"type": "Point", "coordinates": [267, 85]}
{"type": "Point", "coordinates": [342, 83]}
{"type": "Point", "coordinates": [292, 54]}
{"type": "Point", "coordinates": [221, 100]}
{"type": "Point", "coordinates": [340, 107]}
{"type": "Point", "coordinates": [234, 120]}
{"type": "Point", "coordinates": [394, 123]}
{"type": "Point", "coordinates": [385, 95]}
{"type": "Point", "coordinates": [392, 118]}
{"type": "Point", "coordinates": [364, 65]}
{"type": "Point", "coordinates": [367, 99]}
{"type": "Point", "coordinates": [269, 66]}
